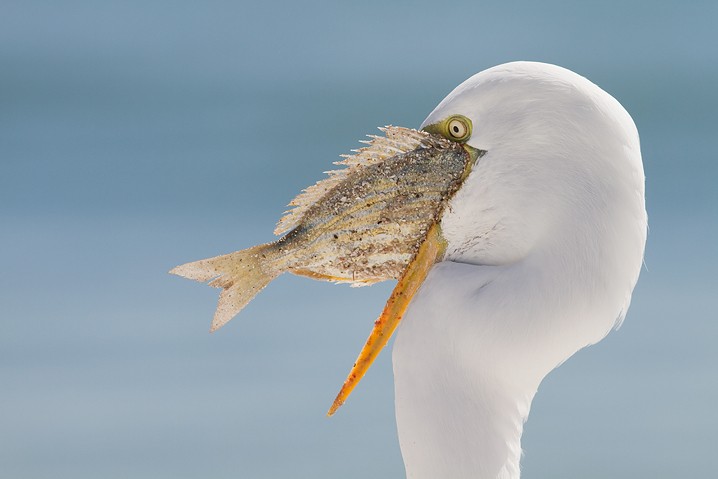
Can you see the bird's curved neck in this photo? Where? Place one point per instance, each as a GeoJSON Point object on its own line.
{"type": "Point", "coordinates": [460, 406]}
{"type": "Point", "coordinates": [463, 425]}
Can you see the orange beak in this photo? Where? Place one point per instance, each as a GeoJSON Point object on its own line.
{"type": "Point", "coordinates": [430, 252]}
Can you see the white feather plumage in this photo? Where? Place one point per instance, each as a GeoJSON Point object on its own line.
{"type": "Point", "coordinates": [545, 244]}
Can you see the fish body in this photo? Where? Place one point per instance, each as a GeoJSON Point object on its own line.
{"type": "Point", "coordinates": [369, 226]}
{"type": "Point", "coordinates": [363, 224]}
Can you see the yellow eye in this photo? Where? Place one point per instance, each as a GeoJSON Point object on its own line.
{"type": "Point", "coordinates": [459, 128]}
{"type": "Point", "coordinates": [455, 128]}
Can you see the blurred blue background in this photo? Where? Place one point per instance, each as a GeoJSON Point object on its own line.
{"type": "Point", "coordinates": [138, 135]}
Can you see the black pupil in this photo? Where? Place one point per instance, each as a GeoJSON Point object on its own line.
{"type": "Point", "coordinates": [456, 129]}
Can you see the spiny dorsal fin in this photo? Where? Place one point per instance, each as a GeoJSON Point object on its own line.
{"type": "Point", "coordinates": [397, 140]}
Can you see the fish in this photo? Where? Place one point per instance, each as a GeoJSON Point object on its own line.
{"type": "Point", "coordinates": [376, 219]}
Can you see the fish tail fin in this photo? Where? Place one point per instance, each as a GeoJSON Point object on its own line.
{"type": "Point", "coordinates": [241, 275]}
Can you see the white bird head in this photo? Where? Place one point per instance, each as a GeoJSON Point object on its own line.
{"type": "Point", "coordinates": [558, 148]}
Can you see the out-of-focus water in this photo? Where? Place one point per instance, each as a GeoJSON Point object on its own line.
{"type": "Point", "coordinates": [138, 135]}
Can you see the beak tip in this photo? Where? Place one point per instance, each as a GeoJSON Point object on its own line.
{"type": "Point", "coordinates": [338, 402]}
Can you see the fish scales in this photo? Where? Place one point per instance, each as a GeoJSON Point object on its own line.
{"type": "Point", "coordinates": [369, 226]}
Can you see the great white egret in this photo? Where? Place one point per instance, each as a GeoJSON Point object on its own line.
{"type": "Point", "coordinates": [532, 256]}
{"type": "Point", "coordinates": [545, 245]}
